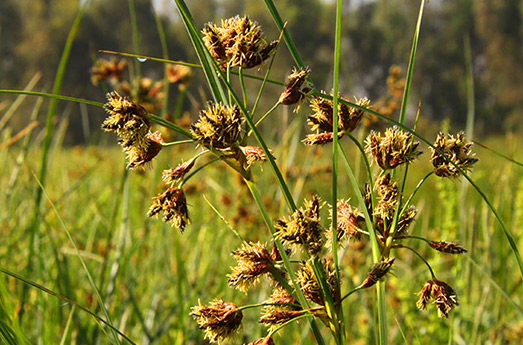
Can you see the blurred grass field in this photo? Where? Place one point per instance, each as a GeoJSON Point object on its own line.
{"type": "Point", "coordinates": [150, 274]}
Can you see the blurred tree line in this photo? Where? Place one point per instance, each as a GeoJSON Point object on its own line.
{"type": "Point", "coordinates": [376, 35]}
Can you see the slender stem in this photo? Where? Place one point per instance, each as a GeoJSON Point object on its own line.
{"type": "Point", "coordinates": [350, 293]}
{"type": "Point", "coordinates": [264, 116]}
{"type": "Point", "coordinates": [174, 143]}
{"type": "Point", "coordinates": [421, 257]}
{"type": "Point", "coordinates": [244, 91]}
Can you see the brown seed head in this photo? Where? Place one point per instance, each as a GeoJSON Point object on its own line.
{"type": "Point", "coordinates": [281, 310]}
{"type": "Point", "coordinates": [138, 156]}
{"type": "Point", "coordinates": [349, 221]}
{"type": "Point", "coordinates": [179, 74]}
{"type": "Point", "coordinates": [111, 70]}
{"type": "Point", "coordinates": [175, 175]}
{"type": "Point", "coordinates": [219, 320]}
{"type": "Point", "coordinates": [173, 204]}
{"type": "Point", "coordinates": [309, 285]}
{"type": "Point", "coordinates": [443, 295]}
{"type": "Point", "coordinates": [392, 149]}
{"type": "Point", "coordinates": [253, 154]}
{"type": "Point", "coordinates": [296, 89]}
{"type": "Point", "coordinates": [457, 150]}
{"type": "Point", "coordinates": [238, 42]}
{"type": "Point", "coordinates": [379, 270]}
{"type": "Point", "coordinates": [388, 195]}
{"type": "Point", "coordinates": [302, 229]}
{"type": "Point", "coordinates": [219, 126]}
{"type": "Point", "coordinates": [447, 247]}
{"type": "Point", "coordinates": [253, 261]}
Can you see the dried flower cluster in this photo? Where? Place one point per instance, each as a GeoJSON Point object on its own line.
{"type": "Point", "coordinates": [321, 121]}
{"type": "Point", "coordinates": [237, 42]}
{"type": "Point", "coordinates": [443, 295]}
{"type": "Point", "coordinates": [219, 126]}
{"type": "Point", "coordinates": [219, 320]}
{"type": "Point", "coordinates": [303, 228]}
{"type": "Point", "coordinates": [254, 261]}
{"type": "Point", "coordinates": [130, 122]}
{"type": "Point", "coordinates": [111, 71]}
{"type": "Point", "coordinates": [394, 148]}
{"type": "Point", "coordinates": [297, 88]}
{"type": "Point", "coordinates": [173, 205]}
{"type": "Point", "coordinates": [457, 150]}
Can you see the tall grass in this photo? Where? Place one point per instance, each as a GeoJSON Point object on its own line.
{"type": "Point", "coordinates": [99, 253]}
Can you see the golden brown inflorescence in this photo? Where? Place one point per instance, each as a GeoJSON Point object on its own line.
{"type": "Point", "coordinates": [219, 320]}
{"type": "Point", "coordinates": [219, 126]}
{"type": "Point", "coordinates": [173, 205]}
{"type": "Point", "coordinates": [350, 222]}
{"type": "Point", "coordinates": [262, 341]}
{"type": "Point", "coordinates": [173, 176]}
{"type": "Point", "coordinates": [393, 149]}
{"type": "Point", "coordinates": [297, 88]}
{"type": "Point", "coordinates": [444, 297]}
{"type": "Point", "coordinates": [379, 270]}
{"type": "Point", "coordinates": [110, 70]}
{"type": "Point", "coordinates": [447, 247]}
{"type": "Point", "coordinates": [321, 121]}
{"type": "Point", "coordinates": [309, 285]}
{"type": "Point", "coordinates": [238, 42]}
{"type": "Point", "coordinates": [178, 74]}
{"type": "Point", "coordinates": [253, 261]}
{"type": "Point", "coordinates": [457, 150]}
{"type": "Point", "coordinates": [280, 308]}
{"type": "Point", "coordinates": [302, 229]}
{"type": "Point", "coordinates": [130, 123]}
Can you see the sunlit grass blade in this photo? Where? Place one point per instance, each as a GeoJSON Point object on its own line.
{"type": "Point", "coordinates": [18, 101]}
{"type": "Point", "coordinates": [286, 36]}
{"type": "Point", "coordinates": [410, 68]}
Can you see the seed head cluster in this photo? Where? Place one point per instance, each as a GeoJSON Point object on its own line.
{"type": "Point", "coordinates": [110, 70]}
{"type": "Point", "coordinates": [350, 223]}
{"type": "Point", "coordinates": [239, 41]}
{"type": "Point", "coordinates": [303, 228]}
{"type": "Point", "coordinates": [297, 88]}
{"type": "Point", "coordinates": [280, 308]}
{"type": "Point", "coordinates": [219, 320]}
{"type": "Point", "coordinates": [443, 295]}
{"type": "Point", "coordinates": [379, 270]}
{"type": "Point", "coordinates": [130, 122]}
{"type": "Point", "coordinates": [173, 205]}
{"type": "Point", "coordinates": [392, 149]}
{"type": "Point", "coordinates": [253, 261]}
{"type": "Point", "coordinates": [457, 150]}
{"type": "Point", "coordinates": [219, 126]}
{"type": "Point", "coordinates": [321, 121]}
{"type": "Point", "coordinates": [309, 284]}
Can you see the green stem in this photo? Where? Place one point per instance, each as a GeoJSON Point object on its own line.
{"type": "Point", "coordinates": [244, 91]}
{"type": "Point", "coordinates": [264, 116]}
{"type": "Point", "coordinates": [421, 258]}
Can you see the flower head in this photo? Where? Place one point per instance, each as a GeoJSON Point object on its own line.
{"type": "Point", "coordinates": [174, 175]}
{"type": "Point", "coordinates": [219, 320]}
{"type": "Point", "coordinates": [379, 270]}
{"type": "Point", "coordinates": [309, 285]}
{"type": "Point", "coordinates": [457, 150]}
{"type": "Point", "coordinates": [262, 341]}
{"type": "Point", "coordinates": [253, 154]}
{"type": "Point", "coordinates": [443, 295]}
{"type": "Point", "coordinates": [392, 149]}
{"type": "Point", "coordinates": [349, 222]}
{"type": "Point", "coordinates": [237, 42]}
{"type": "Point", "coordinates": [111, 70]}
{"type": "Point", "coordinates": [302, 229]}
{"type": "Point", "coordinates": [173, 204]}
{"type": "Point", "coordinates": [178, 74]}
{"type": "Point", "coordinates": [219, 126]}
{"type": "Point", "coordinates": [253, 261]}
{"type": "Point", "coordinates": [297, 88]}
{"type": "Point", "coordinates": [447, 247]}
{"type": "Point", "coordinates": [130, 122]}
{"type": "Point", "coordinates": [279, 309]}
{"type": "Point", "coordinates": [322, 119]}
